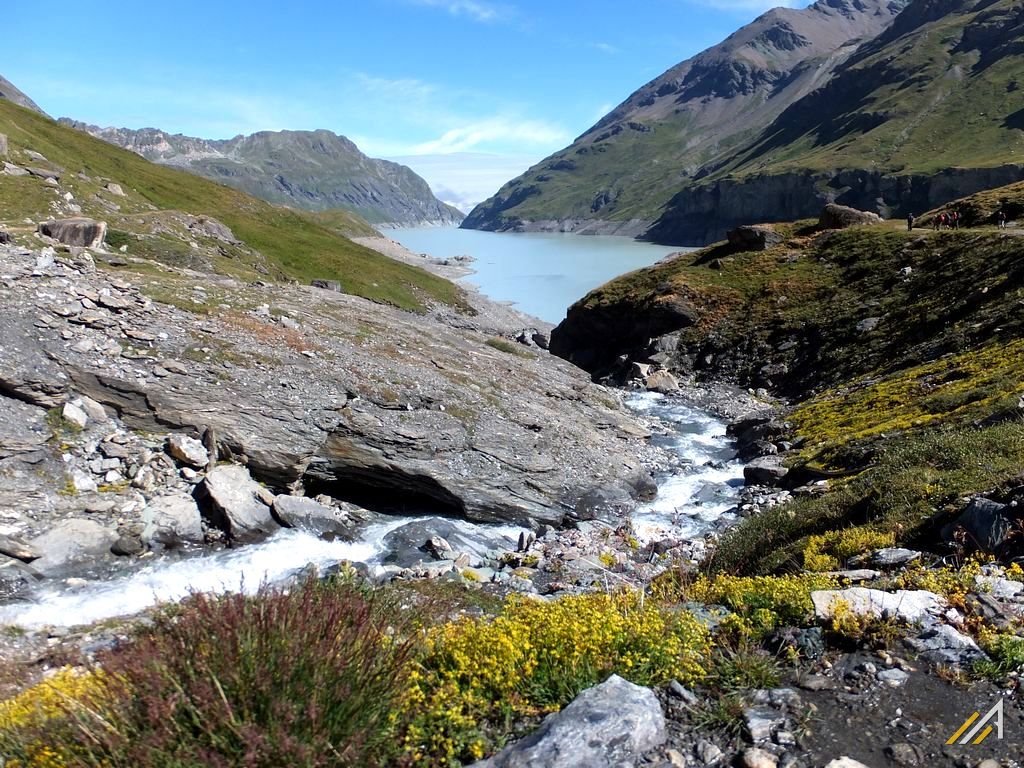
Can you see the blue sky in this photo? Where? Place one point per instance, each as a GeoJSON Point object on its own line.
{"type": "Point", "coordinates": [468, 92]}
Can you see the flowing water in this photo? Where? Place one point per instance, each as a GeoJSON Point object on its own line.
{"type": "Point", "coordinates": [695, 496]}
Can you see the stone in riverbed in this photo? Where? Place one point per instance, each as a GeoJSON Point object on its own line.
{"type": "Point", "coordinates": [233, 503]}
{"type": "Point", "coordinates": [765, 470]}
{"type": "Point", "coordinates": [310, 516]}
{"type": "Point", "coordinates": [607, 726]}
{"type": "Point", "coordinates": [171, 521]}
{"type": "Point", "coordinates": [663, 382]}
{"type": "Point", "coordinates": [71, 541]}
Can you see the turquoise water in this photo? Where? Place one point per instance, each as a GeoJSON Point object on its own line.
{"type": "Point", "coordinates": [542, 273]}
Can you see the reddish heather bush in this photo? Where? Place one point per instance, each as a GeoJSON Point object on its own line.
{"type": "Point", "coordinates": [300, 678]}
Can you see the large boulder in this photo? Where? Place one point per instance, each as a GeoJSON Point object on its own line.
{"type": "Point", "coordinates": [753, 237]}
{"type": "Point", "coordinates": [909, 605]}
{"type": "Point", "coordinates": [836, 216]}
{"type": "Point", "coordinates": [232, 501]}
{"type": "Point", "coordinates": [71, 542]}
{"type": "Point", "coordinates": [3, 145]}
{"type": "Point", "coordinates": [608, 726]}
{"type": "Point", "coordinates": [311, 516]}
{"type": "Point", "coordinates": [985, 524]}
{"type": "Point", "coordinates": [81, 232]}
{"type": "Point", "coordinates": [662, 381]}
{"type": "Point", "coordinates": [172, 521]}
{"type": "Point", "coordinates": [765, 470]}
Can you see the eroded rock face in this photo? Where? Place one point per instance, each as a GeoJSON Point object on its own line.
{"type": "Point", "coordinates": [608, 726]}
{"type": "Point", "coordinates": [422, 417]}
{"type": "Point", "coordinates": [81, 232]}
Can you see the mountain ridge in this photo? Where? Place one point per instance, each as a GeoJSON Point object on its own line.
{"type": "Point", "coordinates": [930, 96]}
{"type": "Point", "coordinates": [312, 170]}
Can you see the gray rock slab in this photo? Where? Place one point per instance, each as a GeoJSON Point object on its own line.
{"type": "Point", "coordinates": [71, 542]}
{"type": "Point", "coordinates": [82, 232]}
{"type": "Point", "coordinates": [608, 726]}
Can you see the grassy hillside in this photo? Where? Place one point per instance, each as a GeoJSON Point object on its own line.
{"type": "Point", "coordinates": [277, 242]}
{"type": "Point", "coordinates": [941, 88]}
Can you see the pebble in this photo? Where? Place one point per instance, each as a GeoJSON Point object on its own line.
{"type": "Point", "coordinates": [892, 677]}
{"type": "Point", "coordinates": [759, 758]}
{"type": "Point", "coordinates": [708, 752]}
{"type": "Point", "coordinates": [680, 691]}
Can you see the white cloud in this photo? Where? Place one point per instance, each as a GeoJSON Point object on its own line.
{"type": "Point", "coordinates": [500, 128]}
{"type": "Point", "coordinates": [478, 10]}
{"type": "Point", "coordinates": [608, 48]}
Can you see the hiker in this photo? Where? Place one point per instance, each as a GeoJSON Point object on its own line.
{"type": "Point", "coordinates": [954, 217]}
{"type": "Point", "coordinates": [910, 222]}
{"type": "Point", "coordinates": [943, 220]}
{"type": "Point", "coordinates": [1001, 218]}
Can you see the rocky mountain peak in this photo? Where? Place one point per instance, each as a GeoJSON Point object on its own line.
{"type": "Point", "coordinates": [11, 93]}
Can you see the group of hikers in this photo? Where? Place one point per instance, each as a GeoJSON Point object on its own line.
{"type": "Point", "coordinates": [951, 220]}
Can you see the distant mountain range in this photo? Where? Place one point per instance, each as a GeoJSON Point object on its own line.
{"type": "Point", "coordinates": [885, 105]}
{"type": "Point", "coordinates": [310, 170]}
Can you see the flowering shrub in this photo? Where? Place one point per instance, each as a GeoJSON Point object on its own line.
{"type": "Point", "coordinates": [477, 676]}
{"type": "Point", "coordinates": [829, 551]}
{"type": "Point", "coordinates": [63, 697]}
{"type": "Point", "coordinates": [950, 582]}
{"type": "Point", "coordinates": [762, 603]}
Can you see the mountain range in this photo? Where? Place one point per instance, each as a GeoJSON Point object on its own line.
{"type": "Point", "coordinates": [310, 170]}
{"type": "Point", "coordinates": [887, 106]}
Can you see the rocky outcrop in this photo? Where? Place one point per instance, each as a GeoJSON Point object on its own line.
{"type": "Point", "coordinates": [607, 726]}
{"type": "Point", "coordinates": [80, 232]}
{"type": "Point", "coordinates": [311, 170]}
{"type": "Point", "coordinates": [422, 417]}
{"type": "Point", "coordinates": [753, 237]}
{"type": "Point", "coordinates": [310, 515]}
{"type": "Point", "coordinates": [704, 213]}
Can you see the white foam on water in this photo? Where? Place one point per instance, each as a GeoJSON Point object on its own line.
{"type": "Point", "coordinates": [694, 499]}
{"type": "Point", "coordinates": [244, 568]}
